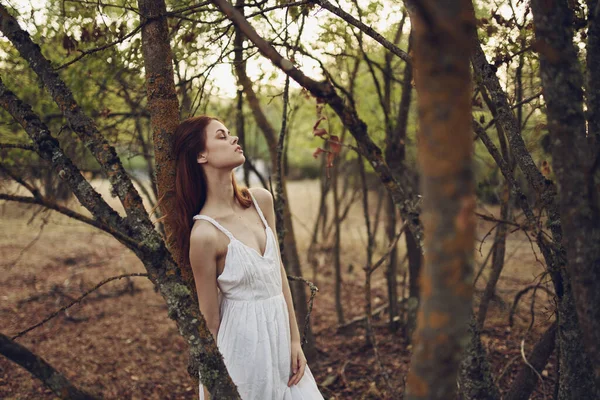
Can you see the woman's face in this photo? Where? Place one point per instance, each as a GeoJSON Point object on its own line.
{"type": "Point", "coordinates": [221, 150]}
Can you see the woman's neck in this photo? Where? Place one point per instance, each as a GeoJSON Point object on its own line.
{"type": "Point", "coordinates": [219, 194]}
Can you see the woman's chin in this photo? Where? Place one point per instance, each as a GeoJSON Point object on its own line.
{"type": "Point", "coordinates": [243, 160]}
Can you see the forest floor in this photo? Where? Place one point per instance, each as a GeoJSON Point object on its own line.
{"type": "Point", "coordinates": [120, 343]}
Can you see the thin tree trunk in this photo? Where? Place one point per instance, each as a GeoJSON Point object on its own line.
{"type": "Point", "coordinates": [497, 259]}
{"type": "Point", "coordinates": [395, 153]}
{"type": "Point", "coordinates": [370, 337]}
{"type": "Point", "coordinates": [527, 377]}
{"type": "Point", "coordinates": [391, 272]}
{"type": "Point", "coordinates": [445, 147]}
{"type": "Point", "coordinates": [337, 265]}
{"type": "Point", "coordinates": [415, 261]}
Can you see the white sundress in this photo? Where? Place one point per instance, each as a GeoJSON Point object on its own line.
{"type": "Point", "coordinates": [254, 333]}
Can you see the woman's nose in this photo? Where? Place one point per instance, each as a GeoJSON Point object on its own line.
{"type": "Point", "coordinates": [235, 139]}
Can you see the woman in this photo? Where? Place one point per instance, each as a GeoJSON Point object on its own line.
{"type": "Point", "coordinates": [234, 256]}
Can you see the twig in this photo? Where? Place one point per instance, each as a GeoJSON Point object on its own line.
{"type": "Point", "coordinates": [16, 146]}
{"type": "Point", "coordinates": [54, 314]}
{"type": "Point", "coordinates": [10, 265]}
{"type": "Point", "coordinates": [100, 48]}
{"type": "Point", "coordinates": [389, 250]}
{"type": "Point", "coordinates": [313, 292]}
{"type": "Point", "coordinates": [518, 297]}
{"type": "Point", "coordinates": [364, 28]}
{"type": "Point", "coordinates": [532, 367]}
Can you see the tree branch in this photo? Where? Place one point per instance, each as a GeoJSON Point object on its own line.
{"type": "Point", "coordinates": [43, 201]}
{"type": "Point", "coordinates": [42, 370]}
{"type": "Point", "coordinates": [364, 28]}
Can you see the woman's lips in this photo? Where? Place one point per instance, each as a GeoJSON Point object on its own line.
{"type": "Point", "coordinates": [239, 148]}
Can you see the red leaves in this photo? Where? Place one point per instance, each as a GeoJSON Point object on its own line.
{"type": "Point", "coordinates": [320, 132]}
{"type": "Point", "coordinates": [335, 146]}
{"type": "Point", "coordinates": [318, 151]}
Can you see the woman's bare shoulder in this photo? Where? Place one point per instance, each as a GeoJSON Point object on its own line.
{"type": "Point", "coordinates": [203, 235]}
{"type": "Point", "coordinates": [263, 196]}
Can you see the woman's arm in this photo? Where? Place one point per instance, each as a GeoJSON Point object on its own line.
{"type": "Point", "coordinates": [203, 254]}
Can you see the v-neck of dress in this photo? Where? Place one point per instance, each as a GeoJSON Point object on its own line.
{"type": "Point", "coordinates": [252, 248]}
{"type": "Point", "coordinates": [233, 239]}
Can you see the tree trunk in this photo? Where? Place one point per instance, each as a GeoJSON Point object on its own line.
{"type": "Point", "coordinates": [205, 358]}
{"type": "Point", "coordinates": [573, 160]}
{"type": "Point", "coordinates": [527, 378]}
{"type": "Point", "coordinates": [497, 259]}
{"type": "Point", "coordinates": [337, 265]}
{"type": "Point", "coordinates": [475, 376]}
{"type": "Point", "coordinates": [592, 79]}
{"type": "Point", "coordinates": [391, 272]}
{"type": "Point", "coordinates": [415, 260]}
{"type": "Point", "coordinates": [445, 147]}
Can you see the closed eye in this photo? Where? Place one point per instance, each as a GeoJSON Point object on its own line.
{"type": "Point", "coordinates": [221, 131]}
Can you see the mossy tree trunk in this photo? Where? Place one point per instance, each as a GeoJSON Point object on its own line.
{"type": "Point", "coordinates": [575, 162]}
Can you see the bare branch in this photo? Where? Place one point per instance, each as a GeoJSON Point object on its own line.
{"type": "Point", "coordinates": [64, 308]}
{"type": "Point", "coordinates": [364, 28]}
{"type": "Point", "coordinates": [100, 48]}
{"type": "Point", "coordinates": [45, 202]}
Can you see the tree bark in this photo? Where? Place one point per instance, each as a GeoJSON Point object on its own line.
{"type": "Point", "coordinates": [592, 78]}
{"type": "Point", "coordinates": [163, 107]}
{"type": "Point", "coordinates": [573, 160]}
{"type": "Point", "coordinates": [205, 358]}
{"type": "Point", "coordinates": [475, 376]}
{"type": "Point", "coordinates": [445, 146]}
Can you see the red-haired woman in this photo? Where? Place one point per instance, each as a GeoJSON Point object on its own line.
{"type": "Point", "coordinates": [234, 255]}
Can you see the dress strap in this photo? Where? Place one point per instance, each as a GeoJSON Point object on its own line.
{"type": "Point", "coordinates": [215, 223]}
{"type": "Point", "coordinates": [262, 217]}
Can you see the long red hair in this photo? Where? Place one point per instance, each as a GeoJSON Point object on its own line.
{"type": "Point", "coordinates": [189, 140]}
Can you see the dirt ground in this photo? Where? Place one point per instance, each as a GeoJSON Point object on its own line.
{"type": "Point", "coordinates": [120, 343]}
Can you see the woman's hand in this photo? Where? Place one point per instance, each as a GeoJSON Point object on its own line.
{"type": "Point", "coordinates": [298, 363]}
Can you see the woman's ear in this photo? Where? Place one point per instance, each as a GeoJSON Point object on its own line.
{"type": "Point", "coordinates": [201, 159]}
